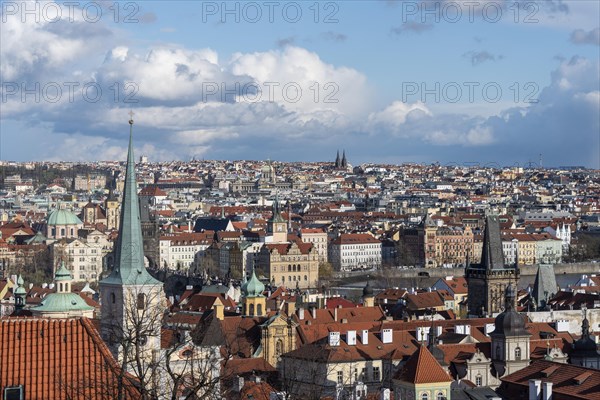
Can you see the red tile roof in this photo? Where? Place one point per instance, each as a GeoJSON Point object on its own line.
{"type": "Point", "coordinates": [422, 367]}
{"type": "Point", "coordinates": [58, 359]}
{"type": "Point", "coordinates": [569, 381]}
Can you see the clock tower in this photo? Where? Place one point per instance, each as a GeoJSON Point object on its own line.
{"type": "Point", "coordinates": [276, 225]}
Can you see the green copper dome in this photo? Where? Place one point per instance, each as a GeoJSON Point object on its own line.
{"type": "Point", "coordinates": [63, 217]}
{"type": "Point", "coordinates": [62, 302]}
{"type": "Point", "coordinates": [254, 287]}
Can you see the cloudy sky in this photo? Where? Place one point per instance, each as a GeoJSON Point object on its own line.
{"type": "Point", "coordinates": [482, 81]}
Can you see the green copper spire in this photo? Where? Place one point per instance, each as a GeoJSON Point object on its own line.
{"type": "Point", "coordinates": [129, 250]}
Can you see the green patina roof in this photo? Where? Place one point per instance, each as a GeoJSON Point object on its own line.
{"type": "Point", "coordinates": [63, 217]}
{"type": "Point", "coordinates": [254, 287]}
{"type": "Point", "coordinates": [38, 238]}
{"type": "Point", "coordinates": [129, 250]}
{"type": "Point", "coordinates": [63, 274]}
{"type": "Point", "coordinates": [62, 302]}
{"type": "Point", "coordinates": [276, 217]}
{"type": "Point", "coordinates": [20, 290]}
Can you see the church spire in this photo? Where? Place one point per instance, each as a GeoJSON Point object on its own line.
{"type": "Point", "coordinates": [129, 252]}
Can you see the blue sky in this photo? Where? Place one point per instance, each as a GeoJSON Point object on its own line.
{"type": "Point", "coordinates": [500, 90]}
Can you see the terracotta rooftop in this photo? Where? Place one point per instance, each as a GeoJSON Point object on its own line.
{"type": "Point", "coordinates": [58, 359]}
{"type": "Point", "coordinates": [422, 367]}
{"type": "Point", "coordinates": [569, 381]}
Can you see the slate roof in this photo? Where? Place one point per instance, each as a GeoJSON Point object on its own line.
{"type": "Point", "coordinates": [544, 287]}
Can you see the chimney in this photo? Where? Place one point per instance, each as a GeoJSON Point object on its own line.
{"type": "Point", "coordinates": [301, 313]}
{"type": "Point", "coordinates": [238, 384]}
{"type": "Point", "coordinates": [351, 338]}
{"type": "Point", "coordinates": [534, 389]}
{"type": "Point", "coordinates": [334, 339]}
{"type": "Point", "coordinates": [386, 336]}
{"type": "Point", "coordinates": [314, 313]}
{"type": "Point", "coordinates": [547, 391]}
{"type": "Point", "coordinates": [335, 314]}
{"type": "Point", "coordinates": [364, 336]}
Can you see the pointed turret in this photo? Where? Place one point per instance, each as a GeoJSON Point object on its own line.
{"type": "Point", "coordinates": [337, 159]}
{"type": "Point", "coordinates": [344, 162]}
{"type": "Point", "coordinates": [129, 266]}
{"type": "Point", "coordinates": [492, 256]}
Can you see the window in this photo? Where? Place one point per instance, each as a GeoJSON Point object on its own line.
{"type": "Point", "coordinates": [376, 374]}
{"type": "Point", "coordinates": [259, 309]}
{"type": "Point", "coordinates": [279, 348]}
{"type": "Point", "coordinates": [518, 353]}
{"type": "Point", "coordinates": [251, 309]}
{"type": "Point", "coordinates": [141, 301]}
{"type": "Point", "coordinates": [440, 396]}
{"type": "Point", "coordinates": [340, 377]}
{"type": "Point", "coordinates": [13, 393]}
{"type": "Point", "coordinates": [113, 298]}
{"type": "Point", "coordinates": [425, 396]}
{"type": "Point", "coordinates": [498, 352]}
{"type": "Point", "coordinates": [478, 380]}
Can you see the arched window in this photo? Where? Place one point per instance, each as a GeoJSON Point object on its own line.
{"type": "Point", "coordinates": [141, 301]}
{"type": "Point", "coordinates": [62, 231]}
{"type": "Point", "coordinates": [518, 353]}
{"type": "Point", "coordinates": [259, 309]}
{"type": "Point", "coordinates": [305, 277]}
{"type": "Point", "coordinates": [425, 396]}
{"type": "Point", "coordinates": [251, 310]}
{"type": "Point", "coordinates": [113, 298]}
{"type": "Point", "coordinates": [60, 287]}
{"type": "Point", "coordinates": [289, 268]}
{"type": "Point", "coordinates": [278, 348]}
{"type": "Point", "coordinates": [440, 396]}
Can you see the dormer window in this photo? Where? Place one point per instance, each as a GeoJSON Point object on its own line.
{"type": "Point", "coordinates": [518, 353]}
{"type": "Point", "coordinates": [13, 393]}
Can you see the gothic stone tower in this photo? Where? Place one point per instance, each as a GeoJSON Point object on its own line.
{"type": "Point", "coordinates": [488, 280]}
{"type": "Point", "coordinates": [131, 299]}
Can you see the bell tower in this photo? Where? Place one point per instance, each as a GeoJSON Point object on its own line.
{"type": "Point", "coordinates": [131, 299]}
{"type": "Point", "coordinates": [276, 225]}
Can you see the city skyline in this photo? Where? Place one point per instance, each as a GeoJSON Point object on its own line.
{"type": "Point", "coordinates": [391, 82]}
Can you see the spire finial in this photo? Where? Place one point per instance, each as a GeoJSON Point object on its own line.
{"type": "Point", "coordinates": [131, 114]}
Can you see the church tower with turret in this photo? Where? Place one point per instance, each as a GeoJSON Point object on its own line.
{"type": "Point", "coordinates": [131, 299]}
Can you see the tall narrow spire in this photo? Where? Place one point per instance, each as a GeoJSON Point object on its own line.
{"type": "Point", "coordinates": [129, 250]}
